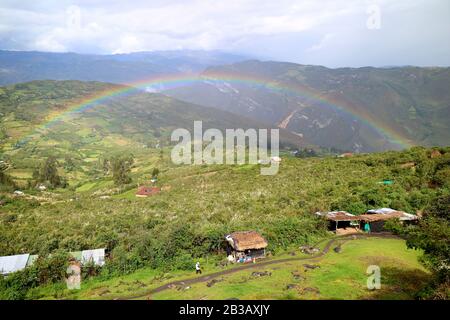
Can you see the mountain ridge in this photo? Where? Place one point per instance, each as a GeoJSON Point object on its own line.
{"type": "Point", "coordinates": [52, 107]}
{"type": "Point", "coordinates": [24, 66]}
{"type": "Point", "coordinates": [361, 109]}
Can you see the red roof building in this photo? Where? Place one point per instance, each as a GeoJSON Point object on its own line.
{"type": "Point", "coordinates": [145, 191]}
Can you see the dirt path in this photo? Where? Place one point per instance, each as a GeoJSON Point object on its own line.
{"type": "Point", "coordinates": [326, 249]}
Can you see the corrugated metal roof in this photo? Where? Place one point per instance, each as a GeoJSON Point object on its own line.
{"type": "Point", "coordinates": [338, 215]}
{"type": "Point", "coordinates": [10, 264]}
{"type": "Point", "coordinates": [96, 255]}
{"type": "Point", "coordinates": [403, 216]}
{"type": "Point", "coordinates": [381, 210]}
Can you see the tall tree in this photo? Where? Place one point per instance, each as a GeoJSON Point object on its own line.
{"type": "Point", "coordinates": [155, 173]}
{"type": "Point", "coordinates": [121, 169]}
{"type": "Point", "coordinates": [49, 173]}
{"type": "Point", "coordinates": [5, 180]}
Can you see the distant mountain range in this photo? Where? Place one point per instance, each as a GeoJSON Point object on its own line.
{"type": "Point", "coordinates": [354, 109]}
{"type": "Point", "coordinates": [24, 66]}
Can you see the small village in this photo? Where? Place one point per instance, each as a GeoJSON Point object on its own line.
{"type": "Point", "coordinates": [240, 246]}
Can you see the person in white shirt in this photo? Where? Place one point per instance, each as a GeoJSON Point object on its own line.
{"type": "Point", "coordinates": [197, 268]}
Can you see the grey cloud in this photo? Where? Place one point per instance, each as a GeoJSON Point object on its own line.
{"type": "Point", "coordinates": [332, 33]}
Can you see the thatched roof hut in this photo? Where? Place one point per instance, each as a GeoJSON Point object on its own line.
{"type": "Point", "coordinates": [246, 240]}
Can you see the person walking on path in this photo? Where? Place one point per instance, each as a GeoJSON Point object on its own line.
{"type": "Point", "coordinates": [197, 268]}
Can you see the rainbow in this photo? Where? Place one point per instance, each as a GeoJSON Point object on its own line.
{"type": "Point", "coordinates": [178, 80]}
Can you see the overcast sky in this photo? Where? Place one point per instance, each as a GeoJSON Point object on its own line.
{"type": "Point", "coordinates": [330, 33]}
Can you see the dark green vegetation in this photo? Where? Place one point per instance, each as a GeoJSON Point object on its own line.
{"type": "Point", "coordinates": [432, 235]}
{"type": "Point", "coordinates": [6, 182]}
{"type": "Point", "coordinates": [121, 169]}
{"type": "Point", "coordinates": [43, 271]}
{"type": "Point", "coordinates": [410, 101]}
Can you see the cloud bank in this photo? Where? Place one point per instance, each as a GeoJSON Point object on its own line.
{"type": "Point", "coordinates": [332, 33]}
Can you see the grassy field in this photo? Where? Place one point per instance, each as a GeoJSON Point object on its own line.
{"type": "Point", "coordinates": [339, 276]}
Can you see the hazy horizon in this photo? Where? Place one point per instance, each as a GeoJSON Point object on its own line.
{"type": "Point", "coordinates": [246, 57]}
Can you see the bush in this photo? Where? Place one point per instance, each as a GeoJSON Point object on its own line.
{"type": "Point", "coordinates": [293, 230]}
{"type": "Point", "coordinates": [354, 207]}
{"type": "Point", "coordinates": [123, 261]}
{"type": "Point", "coordinates": [16, 285]}
{"type": "Point", "coordinates": [183, 261]}
{"type": "Point", "coordinates": [43, 271]}
{"type": "Point", "coordinates": [52, 269]}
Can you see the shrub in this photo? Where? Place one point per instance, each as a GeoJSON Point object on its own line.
{"type": "Point", "coordinates": [183, 261]}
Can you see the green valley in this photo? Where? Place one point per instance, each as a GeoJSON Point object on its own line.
{"type": "Point", "coordinates": [157, 239]}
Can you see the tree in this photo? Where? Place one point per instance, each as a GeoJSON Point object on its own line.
{"type": "Point", "coordinates": [49, 173]}
{"type": "Point", "coordinates": [432, 235]}
{"type": "Point", "coordinates": [69, 164]}
{"type": "Point", "coordinates": [305, 153]}
{"type": "Point", "coordinates": [155, 173]}
{"type": "Point", "coordinates": [3, 133]}
{"type": "Point", "coordinates": [121, 169]}
{"type": "Point", "coordinates": [5, 179]}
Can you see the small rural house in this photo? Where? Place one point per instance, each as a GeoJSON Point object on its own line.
{"type": "Point", "coordinates": [341, 221]}
{"type": "Point", "coordinates": [245, 246]}
{"type": "Point", "coordinates": [146, 191]}
{"type": "Point", "coordinates": [275, 159]}
{"type": "Point", "coordinates": [435, 154]}
{"type": "Point", "coordinates": [344, 222]}
{"type": "Point", "coordinates": [9, 264]}
{"type": "Point", "coordinates": [377, 217]}
{"type": "Point", "coordinates": [346, 155]}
